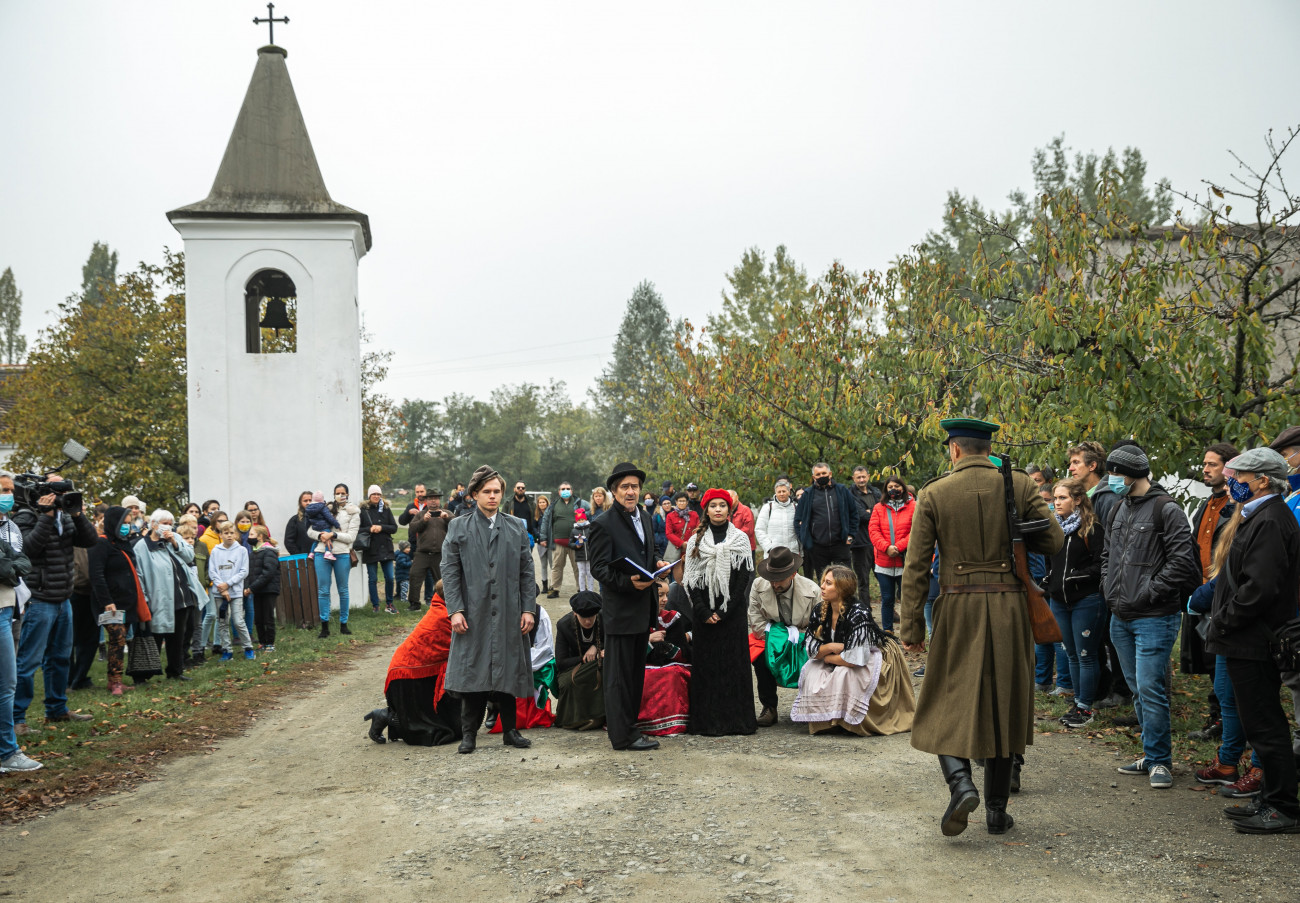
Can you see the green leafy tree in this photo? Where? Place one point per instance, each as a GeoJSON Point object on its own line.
{"type": "Point", "coordinates": [379, 453]}
{"type": "Point", "coordinates": [99, 273]}
{"type": "Point", "coordinates": [758, 289]}
{"type": "Point", "coordinates": [112, 375]}
{"type": "Point", "coordinates": [13, 344]}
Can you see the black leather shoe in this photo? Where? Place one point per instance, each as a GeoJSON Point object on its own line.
{"type": "Point", "coordinates": [516, 739]}
{"type": "Point", "coordinates": [324, 630]}
{"type": "Point", "coordinates": [491, 721]}
{"type": "Point", "coordinates": [378, 719]}
{"type": "Point", "coordinates": [179, 677]}
{"type": "Point", "coordinates": [643, 744]}
{"type": "Point", "coordinates": [963, 797]}
{"type": "Point", "coordinates": [467, 743]}
{"type": "Point", "coordinates": [343, 630]}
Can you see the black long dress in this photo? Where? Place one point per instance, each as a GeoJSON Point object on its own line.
{"type": "Point", "coordinates": [722, 688]}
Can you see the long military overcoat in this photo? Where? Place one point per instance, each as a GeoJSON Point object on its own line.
{"type": "Point", "coordinates": [487, 574]}
{"type": "Point", "coordinates": [977, 700]}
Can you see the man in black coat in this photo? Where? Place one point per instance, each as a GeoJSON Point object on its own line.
{"type": "Point", "coordinates": [628, 604]}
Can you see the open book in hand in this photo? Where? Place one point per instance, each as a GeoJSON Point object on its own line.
{"type": "Point", "coordinates": [632, 569]}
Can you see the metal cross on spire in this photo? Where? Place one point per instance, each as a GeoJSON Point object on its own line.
{"type": "Point", "coordinates": [270, 20]}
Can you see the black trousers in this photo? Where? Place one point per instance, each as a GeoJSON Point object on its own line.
{"type": "Point", "coordinates": [864, 565]}
{"type": "Point", "coordinates": [264, 617]}
{"type": "Point", "coordinates": [177, 642]}
{"type": "Point", "coordinates": [766, 683]}
{"type": "Point", "coordinates": [822, 557]}
{"type": "Point", "coordinates": [474, 705]}
{"type": "Point", "coordinates": [426, 571]}
{"type": "Point", "coordinates": [85, 640]}
{"type": "Point", "coordinates": [624, 674]}
{"type": "Point", "coordinates": [1257, 686]}
{"type": "Point", "coordinates": [1110, 676]}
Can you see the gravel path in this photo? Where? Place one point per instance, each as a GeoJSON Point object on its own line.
{"type": "Point", "coordinates": [304, 807]}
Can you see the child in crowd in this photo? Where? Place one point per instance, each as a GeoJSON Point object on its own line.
{"type": "Point", "coordinates": [264, 584]}
{"type": "Point", "coordinates": [578, 539]}
{"type": "Point", "coordinates": [228, 569]}
{"type": "Point", "coordinates": [402, 573]}
{"type": "Point", "coordinates": [321, 520]}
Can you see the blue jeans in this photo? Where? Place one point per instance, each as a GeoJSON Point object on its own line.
{"type": "Point", "coordinates": [1234, 736]}
{"type": "Point", "coordinates": [890, 588]}
{"type": "Point", "coordinates": [1080, 626]}
{"type": "Point", "coordinates": [337, 569]}
{"type": "Point", "coordinates": [46, 641]}
{"type": "Point", "coordinates": [8, 679]}
{"type": "Point", "coordinates": [1144, 646]}
{"type": "Point", "coordinates": [1049, 656]}
{"type": "Point", "coordinates": [373, 569]}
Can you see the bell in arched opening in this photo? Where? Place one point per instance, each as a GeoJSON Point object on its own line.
{"type": "Point", "coordinates": [271, 300]}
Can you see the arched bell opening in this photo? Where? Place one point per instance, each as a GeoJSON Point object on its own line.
{"type": "Point", "coordinates": [271, 313]}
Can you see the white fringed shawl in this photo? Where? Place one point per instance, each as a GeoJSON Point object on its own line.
{"type": "Point", "coordinates": [712, 569]}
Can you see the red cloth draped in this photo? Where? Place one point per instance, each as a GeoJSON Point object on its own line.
{"type": "Point", "coordinates": [424, 653]}
{"type": "Point", "coordinates": [528, 715]}
{"type": "Point", "coordinates": [757, 645]}
{"type": "Point", "coordinates": [665, 701]}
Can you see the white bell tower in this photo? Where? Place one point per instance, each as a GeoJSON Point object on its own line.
{"type": "Point", "coordinates": [273, 334]}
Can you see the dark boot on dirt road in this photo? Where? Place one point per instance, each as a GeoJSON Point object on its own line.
{"type": "Point", "coordinates": [964, 797]}
{"type": "Point", "coordinates": [997, 790]}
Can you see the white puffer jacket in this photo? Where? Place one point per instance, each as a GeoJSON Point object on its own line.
{"type": "Point", "coordinates": [349, 518]}
{"type": "Point", "coordinates": [774, 526]}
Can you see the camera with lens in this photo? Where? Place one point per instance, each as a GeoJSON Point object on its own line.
{"type": "Point", "coordinates": [31, 488]}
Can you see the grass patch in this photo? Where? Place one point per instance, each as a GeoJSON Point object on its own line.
{"type": "Point", "coordinates": [161, 718]}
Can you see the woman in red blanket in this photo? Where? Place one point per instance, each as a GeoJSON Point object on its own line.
{"type": "Point", "coordinates": [666, 699]}
{"type": "Point", "coordinates": [419, 710]}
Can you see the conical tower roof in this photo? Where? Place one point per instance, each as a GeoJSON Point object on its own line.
{"type": "Point", "coordinates": [269, 170]}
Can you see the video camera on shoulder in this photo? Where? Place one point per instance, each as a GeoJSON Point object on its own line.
{"type": "Point", "coordinates": [33, 487]}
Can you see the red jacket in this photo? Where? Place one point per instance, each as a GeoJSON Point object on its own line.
{"type": "Point", "coordinates": [878, 529]}
{"type": "Point", "coordinates": [679, 529]}
{"type": "Point", "coordinates": [744, 521]}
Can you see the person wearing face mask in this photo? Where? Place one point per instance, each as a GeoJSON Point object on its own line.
{"type": "Point", "coordinates": [13, 565]}
{"type": "Point", "coordinates": [827, 521]}
{"type": "Point", "coordinates": [1257, 579]}
{"type": "Point", "coordinates": [890, 528]}
{"type": "Point", "coordinates": [557, 528]}
{"type": "Point", "coordinates": [113, 588]}
{"type": "Point", "coordinates": [172, 590]}
{"type": "Point", "coordinates": [1149, 569]}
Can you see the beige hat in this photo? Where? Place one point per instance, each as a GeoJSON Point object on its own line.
{"type": "Point", "coordinates": [374, 490]}
{"type": "Point", "coordinates": [131, 500]}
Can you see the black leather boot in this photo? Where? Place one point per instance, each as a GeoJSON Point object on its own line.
{"type": "Point", "coordinates": [378, 719]}
{"type": "Point", "coordinates": [513, 738]}
{"type": "Point", "coordinates": [964, 797]}
{"type": "Point", "coordinates": [1017, 761]}
{"type": "Point", "coordinates": [324, 630]}
{"type": "Point", "coordinates": [997, 790]}
{"type": "Point", "coordinates": [471, 718]}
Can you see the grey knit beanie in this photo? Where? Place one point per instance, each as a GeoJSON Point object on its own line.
{"type": "Point", "coordinates": [1128, 459]}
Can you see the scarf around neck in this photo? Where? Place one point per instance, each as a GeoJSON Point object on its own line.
{"type": "Point", "coordinates": [712, 568]}
{"type": "Point", "coordinates": [1070, 524]}
{"type": "Point", "coordinates": [897, 504]}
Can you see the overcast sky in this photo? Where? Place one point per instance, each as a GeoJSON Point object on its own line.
{"type": "Point", "coordinates": [525, 165]}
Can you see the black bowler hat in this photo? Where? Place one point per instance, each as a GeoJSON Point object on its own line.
{"type": "Point", "coordinates": [626, 469]}
{"type": "Point", "coordinates": [585, 603]}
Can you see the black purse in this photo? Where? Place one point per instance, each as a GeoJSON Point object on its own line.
{"type": "Point", "coordinates": [1286, 647]}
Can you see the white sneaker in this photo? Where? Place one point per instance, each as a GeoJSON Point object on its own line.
{"type": "Point", "coordinates": [19, 762]}
{"type": "Point", "coordinates": [1161, 779]}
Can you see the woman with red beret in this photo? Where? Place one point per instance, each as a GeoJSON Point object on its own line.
{"type": "Point", "coordinates": [719, 570]}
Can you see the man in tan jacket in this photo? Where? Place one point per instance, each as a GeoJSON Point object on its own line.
{"type": "Point", "coordinates": [779, 598]}
{"type": "Point", "coordinates": [978, 699]}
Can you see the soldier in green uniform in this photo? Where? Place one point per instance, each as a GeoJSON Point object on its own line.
{"type": "Point", "coordinates": [978, 698]}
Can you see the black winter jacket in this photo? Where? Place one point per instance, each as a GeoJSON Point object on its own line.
{"type": "Point", "coordinates": [1148, 556]}
{"type": "Point", "coordinates": [296, 540]}
{"type": "Point", "coordinates": [866, 502]}
{"type": "Point", "coordinates": [50, 552]}
{"type": "Point", "coordinates": [1257, 590]}
{"type": "Point", "coordinates": [381, 544]}
{"type": "Point", "coordinates": [1074, 572]}
{"type": "Point", "coordinates": [264, 571]}
{"type": "Point", "coordinates": [112, 581]}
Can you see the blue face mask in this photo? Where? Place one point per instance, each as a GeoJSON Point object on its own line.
{"type": "Point", "coordinates": [1293, 480]}
{"type": "Point", "coordinates": [124, 530]}
{"type": "Point", "coordinates": [1239, 491]}
{"type": "Point", "coordinates": [6, 502]}
{"type": "Point", "coordinates": [1117, 485]}
{"type": "Point", "coordinates": [565, 493]}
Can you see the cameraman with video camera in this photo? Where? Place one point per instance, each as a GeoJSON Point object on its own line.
{"type": "Point", "coordinates": [51, 530]}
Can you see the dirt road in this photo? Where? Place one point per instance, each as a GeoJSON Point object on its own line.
{"type": "Point", "coordinates": [305, 807]}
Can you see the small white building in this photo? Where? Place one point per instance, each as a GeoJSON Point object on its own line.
{"type": "Point", "coordinates": [273, 412]}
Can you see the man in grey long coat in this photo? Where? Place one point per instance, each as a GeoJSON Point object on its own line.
{"type": "Point", "coordinates": [491, 594]}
